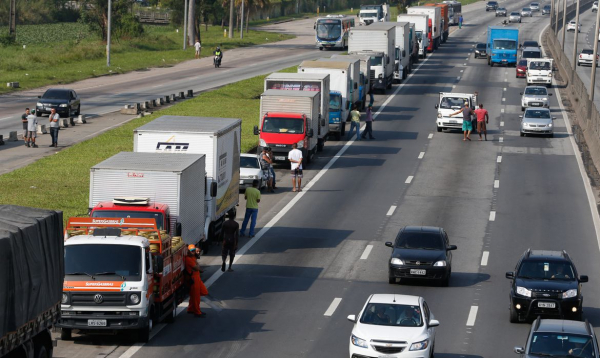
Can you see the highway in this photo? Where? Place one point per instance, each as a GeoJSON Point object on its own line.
{"type": "Point", "coordinates": [321, 252]}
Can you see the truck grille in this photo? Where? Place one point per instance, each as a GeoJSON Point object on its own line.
{"type": "Point", "coordinates": [108, 299]}
{"type": "Point", "coordinates": [372, 76]}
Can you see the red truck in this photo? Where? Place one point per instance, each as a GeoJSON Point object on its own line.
{"type": "Point", "coordinates": [445, 20]}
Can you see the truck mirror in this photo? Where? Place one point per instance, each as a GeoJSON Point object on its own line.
{"type": "Point", "coordinates": [310, 133]}
{"type": "Point", "coordinates": [355, 85]}
{"type": "Point", "coordinates": [213, 189]}
{"type": "Point", "coordinates": [177, 229]}
{"type": "Point", "coordinates": [256, 131]}
{"type": "Point", "coordinates": [158, 260]}
{"type": "Point", "coordinates": [322, 123]}
{"type": "Point", "coordinates": [436, 106]}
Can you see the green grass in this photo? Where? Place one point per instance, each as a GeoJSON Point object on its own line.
{"type": "Point", "coordinates": [263, 22]}
{"type": "Point", "coordinates": [65, 53]}
{"type": "Point", "coordinates": [61, 181]}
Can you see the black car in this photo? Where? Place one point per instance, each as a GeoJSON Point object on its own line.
{"type": "Point", "coordinates": [546, 10]}
{"type": "Point", "coordinates": [480, 51]}
{"type": "Point", "coordinates": [545, 283]}
{"type": "Point", "coordinates": [421, 252]}
{"type": "Point", "coordinates": [560, 338]}
{"type": "Point", "coordinates": [491, 5]}
{"type": "Point", "coordinates": [65, 101]}
{"type": "Point", "coordinates": [530, 43]}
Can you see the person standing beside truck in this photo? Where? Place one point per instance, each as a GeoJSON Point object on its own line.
{"type": "Point", "coordinates": [252, 196]}
{"type": "Point", "coordinates": [354, 123]}
{"type": "Point", "coordinates": [272, 169]}
{"type": "Point", "coordinates": [230, 234]}
{"type": "Point", "coordinates": [24, 120]}
{"type": "Point", "coordinates": [197, 288]}
{"type": "Point", "coordinates": [467, 125]}
{"type": "Point", "coordinates": [266, 163]}
{"type": "Point", "coordinates": [482, 119]}
{"type": "Point", "coordinates": [369, 123]}
{"type": "Point", "coordinates": [295, 157]}
{"type": "Point", "coordinates": [460, 21]}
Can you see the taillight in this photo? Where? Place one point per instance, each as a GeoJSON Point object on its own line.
{"type": "Point", "coordinates": [580, 56]}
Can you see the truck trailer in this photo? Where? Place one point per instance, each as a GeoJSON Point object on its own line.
{"type": "Point", "coordinates": [364, 86]}
{"type": "Point", "coordinates": [354, 77]}
{"type": "Point", "coordinates": [422, 30]}
{"type": "Point", "coordinates": [435, 23]}
{"type": "Point", "coordinates": [445, 20]}
{"type": "Point", "coordinates": [403, 51]}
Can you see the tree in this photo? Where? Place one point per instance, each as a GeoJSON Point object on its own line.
{"type": "Point", "coordinates": [95, 14]}
{"type": "Point", "coordinates": [250, 7]}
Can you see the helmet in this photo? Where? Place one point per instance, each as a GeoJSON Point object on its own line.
{"type": "Point", "coordinates": [218, 48]}
{"type": "Point", "coordinates": [191, 247]}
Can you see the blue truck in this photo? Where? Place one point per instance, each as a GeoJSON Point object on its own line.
{"type": "Point", "coordinates": [502, 45]}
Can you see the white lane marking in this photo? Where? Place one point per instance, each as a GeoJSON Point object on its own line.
{"type": "Point", "coordinates": [472, 316]}
{"type": "Point", "coordinates": [453, 86]}
{"type": "Point", "coordinates": [421, 155]}
{"type": "Point", "coordinates": [458, 78]}
{"type": "Point", "coordinates": [492, 216]}
{"type": "Point", "coordinates": [505, 88]}
{"type": "Point", "coordinates": [484, 258]}
{"type": "Point", "coordinates": [1, 119]}
{"type": "Point", "coordinates": [430, 136]}
{"type": "Point", "coordinates": [496, 184]}
{"type": "Point", "coordinates": [467, 59]}
{"type": "Point", "coordinates": [367, 252]}
{"type": "Point", "coordinates": [391, 211]}
{"type": "Point", "coordinates": [462, 71]}
{"type": "Point", "coordinates": [408, 180]}
{"type": "Point", "coordinates": [506, 72]}
{"type": "Point", "coordinates": [333, 306]}
{"type": "Point", "coordinates": [499, 159]}
{"type": "Point", "coordinates": [501, 124]}
{"type": "Point", "coordinates": [501, 139]}
{"type": "Point", "coordinates": [502, 110]}
{"type": "Point", "coordinates": [464, 64]}
{"type": "Point", "coordinates": [503, 99]}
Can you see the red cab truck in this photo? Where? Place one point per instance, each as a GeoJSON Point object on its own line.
{"type": "Point", "coordinates": [445, 20]}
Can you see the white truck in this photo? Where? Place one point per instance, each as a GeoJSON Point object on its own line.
{"type": "Point", "coordinates": [403, 51]}
{"type": "Point", "coordinates": [435, 19]}
{"type": "Point", "coordinates": [370, 14]}
{"type": "Point", "coordinates": [449, 103]}
{"type": "Point", "coordinates": [219, 139]}
{"type": "Point", "coordinates": [379, 40]}
{"type": "Point", "coordinates": [421, 30]}
{"type": "Point", "coordinates": [364, 85]}
{"type": "Point", "coordinates": [539, 71]}
{"type": "Point", "coordinates": [354, 76]}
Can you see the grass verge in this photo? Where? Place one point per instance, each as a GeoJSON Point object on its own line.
{"type": "Point", "coordinates": [61, 181]}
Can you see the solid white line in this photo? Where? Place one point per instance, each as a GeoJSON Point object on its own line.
{"type": "Point", "coordinates": [501, 124]}
{"type": "Point", "coordinates": [430, 136]}
{"type": "Point", "coordinates": [492, 216]}
{"type": "Point", "coordinates": [501, 139]}
{"type": "Point", "coordinates": [462, 71]}
{"type": "Point", "coordinates": [503, 99]}
{"type": "Point", "coordinates": [472, 316]}
{"type": "Point", "coordinates": [408, 180]}
{"type": "Point", "coordinates": [484, 258]}
{"type": "Point", "coordinates": [458, 78]}
{"type": "Point", "coordinates": [464, 64]}
{"type": "Point", "coordinates": [453, 86]}
{"type": "Point", "coordinates": [499, 159]}
{"type": "Point", "coordinates": [333, 306]}
{"type": "Point", "coordinates": [496, 184]}
{"type": "Point", "coordinates": [391, 211]}
{"type": "Point", "coordinates": [421, 155]}
{"type": "Point", "coordinates": [505, 88]}
{"type": "Point", "coordinates": [367, 252]}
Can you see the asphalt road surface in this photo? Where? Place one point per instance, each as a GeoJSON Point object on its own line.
{"type": "Point", "coordinates": [495, 199]}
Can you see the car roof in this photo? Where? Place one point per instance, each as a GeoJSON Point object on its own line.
{"type": "Point", "coordinates": [529, 41]}
{"type": "Point", "coordinates": [563, 326]}
{"type": "Point", "coordinates": [424, 229]}
{"type": "Point", "coordinates": [394, 299]}
{"type": "Point", "coordinates": [248, 155]}
{"type": "Point", "coordinates": [546, 254]}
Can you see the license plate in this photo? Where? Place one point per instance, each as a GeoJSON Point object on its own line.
{"type": "Point", "coordinates": [453, 121]}
{"type": "Point", "coordinates": [418, 272]}
{"type": "Point", "coordinates": [279, 158]}
{"type": "Point", "coordinates": [539, 79]}
{"type": "Point", "coordinates": [546, 305]}
{"type": "Point", "coordinates": [241, 182]}
{"type": "Point", "coordinates": [536, 104]}
{"type": "Point", "coordinates": [96, 323]}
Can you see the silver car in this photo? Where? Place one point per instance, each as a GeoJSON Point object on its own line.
{"type": "Point", "coordinates": [534, 6]}
{"type": "Point", "coordinates": [514, 17]}
{"type": "Point", "coordinates": [501, 11]}
{"type": "Point", "coordinates": [526, 12]}
{"type": "Point", "coordinates": [250, 170]}
{"type": "Point", "coordinates": [537, 121]}
{"type": "Point", "coordinates": [535, 96]}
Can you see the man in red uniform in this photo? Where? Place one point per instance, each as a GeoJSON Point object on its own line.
{"type": "Point", "coordinates": [197, 288]}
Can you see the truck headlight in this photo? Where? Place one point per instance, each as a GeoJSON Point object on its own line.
{"type": "Point", "coordinates": [418, 346]}
{"type": "Point", "coordinates": [359, 342]}
{"type": "Point", "coordinates": [134, 298]}
{"type": "Point", "coordinates": [569, 293]}
{"type": "Point", "coordinates": [523, 291]}
{"type": "Point", "coordinates": [262, 143]}
{"type": "Point", "coordinates": [64, 299]}
{"type": "Point", "coordinates": [336, 120]}
{"type": "Point", "coordinates": [396, 261]}
{"type": "Point", "coordinates": [301, 144]}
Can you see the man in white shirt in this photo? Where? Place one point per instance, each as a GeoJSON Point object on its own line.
{"type": "Point", "coordinates": [54, 127]}
{"type": "Point", "coordinates": [295, 157]}
{"type": "Point", "coordinates": [32, 122]}
{"type": "Point", "coordinates": [198, 47]}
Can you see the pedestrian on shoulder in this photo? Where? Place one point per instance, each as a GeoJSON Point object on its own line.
{"type": "Point", "coordinates": [265, 163]}
{"type": "Point", "coordinates": [273, 169]}
{"type": "Point", "coordinates": [54, 127]}
{"type": "Point", "coordinates": [197, 287]}
{"type": "Point", "coordinates": [32, 122]}
{"type": "Point", "coordinates": [230, 232]}
{"type": "Point", "coordinates": [482, 119]}
{"type": "Point", "coordinates": [460, 21]}
{"type": "Point", "coordinates": [371, 94]}
{"type": "Point", "coordinates": [369, 123]}
{"type": "Point", "coordinates": [198, 48]}
{"type": "Point", "coordinates": [295, 157]}
{"type": "Point", "coordinates": [24, 120]}
{"type": "Point", "coordinates": [252, 196]}
{"type": "Point", "coordinates": [467, 125]}
{"type": "Point", "coordinates": [354, 123]}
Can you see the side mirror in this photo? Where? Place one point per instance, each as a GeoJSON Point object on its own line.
{"type": "Point", "coordinates": [389, 244]}
{"type": "Point", "coordinates": [177, 229]}
{"type": "Point", "coordinates": [256, 131]}
{"type": "Point", "coordinates": [549, 94]}
{"type": "Point", "coordinates": [159, 263]}
{"type": "Point", "coordinates": [521, 93]}
{"type": "Point", "coordinates": [451, 247]}
{"type": "Point", "coordinates": [583, 278]}
{"type": "Point", "coordinates": [510, 275]}
{"type": "Point", "coordinates": [436, 106]}
{"type": "Point", "coordinates": [519, 350]}
{"type": "Point", "coordinates": [521, 116]}
{"type": "Point", "coordinates": [434, 323]}
{"type": "Point", "coordinates": [213, 189]}
{"type": "Point", "coordinates": [310, 133]}
{"type": "Point", "coordinates": [352, 318]}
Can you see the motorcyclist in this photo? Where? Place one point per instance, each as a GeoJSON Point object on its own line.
{"type": "Point", "coordinates": [218, 54]}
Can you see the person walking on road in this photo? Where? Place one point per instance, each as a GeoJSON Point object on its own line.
{"type": "Point", "coordinates": [265, 163]}
{"type": "Point", "coordinates": [198, 48]}
{"type": "Point", "coordinates": [54, 127]}
{"type": "Point", "coordinates": [295, 157]}
{"type": "Point", "coordinates": [460, 21]}
{"type": "Point", "coordinates": [467, 125]}
{"type": "Point", "coordinates": [252, 196]}
{"type": "Point", "coordinates": [32, 122]}
{"type": "Point", "coordinates": [230, 233]}
{"type": "Point", "coordinates": [272, 169]}
{"type": "Point", "coordinates": [197, 288]}
{"type": "Point", "coordinates": [354, 123]}
{"type": "Point", "coordinates": [369, 124]}
{"type": "Point", "coordinates": [482, 119]}
{"type": "Point", "coordinates": [24, 121]}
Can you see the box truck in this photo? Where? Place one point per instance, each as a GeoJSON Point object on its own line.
{"type": "Point", "coordinates": [454, 11]}
{"type": "Point", "coordinates": [539, 71]}
{"type": "Point", "coordinates": [354, 77]}
{"type": "Point", "coordinates": [219, 139]}
{"type": "Point", "coordinates": [413, 46]}
{"type": "Point", "coordinates": [435, 23]}
{"type": "Point", "coordinates": [369, 14]}
{"type": "Point", "coordinates": [422, 30]}
{"type": "Point", "coordinates": [502, 45]}
{"type": "Point", "coordinates": [379, 39]}
{"type": "Point", "coordinates": [31, 280]}
{"type": "Point", "coordinates": [364, 85]}
{"type": "Point", "coordinates": [445, 20]}
{"type": "Point", "coordinates": [403, 51]}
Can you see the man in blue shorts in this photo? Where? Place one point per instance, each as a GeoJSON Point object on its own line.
{"type": "Point", "coordinates": [467, 125]}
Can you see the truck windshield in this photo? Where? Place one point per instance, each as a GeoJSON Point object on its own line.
{"type": "Point", "coordinates": [531, 54]}
{"type": "Point", "coordinates": [376, 60]}
{"type": "Point", "coordinates": [368, 14]}
{"type": "Point", "coordinates": [453, 102]}
{"type": "Point", "coordinates": [131, 214]}
{"type": "Point", "coordinates": [123, 260]}
{"type": "Point", "coordinates": [419, 35]}
{"type": "Point", "coordinates": [535, 65]}
{"type": "Point", "coordinates": [397, 53]}
{"type": "Point", "coordinates": [283, 125]}
{"type": "Point", "coordinates": [505, 45]}
{"type": "Point", "coordinates": [329, 29]}
{"type": "Point", "coordinates": [335, 102]}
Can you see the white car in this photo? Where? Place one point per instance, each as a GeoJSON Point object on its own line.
{"type": "Point", "coordinates": [526, 12]}
{"type": "Point", "coordinates": [595, 6]}
{"type": "Point", "coordinates": [534, 6]}
{"type": "Point", "coordinates": [586, 57]}
{"type": "Point", "coordinates": [250, 169]}
{"type": "Point", "coordinates": [393, 326]}
{"type": "Point", "coordinates": [535, 96]}
{"type": "Point", "coordinates": [573, 25]}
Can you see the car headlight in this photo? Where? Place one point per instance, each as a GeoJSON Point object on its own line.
{"type": "Point", "coordinates": [418, 346]}
{"type": "Point", "coordinates": [65, 298]}
{"type": "Point", "coordinates": [39, 104]}
{"type": "Point", "coordinates": [441, 263]}
{"type": "Point", "coordinates": [262, 143]}
{"type": "Point", "coordinates": [544, 99]}
{"type": "Point", "coordinates": [523, 291]}
{"type": "Point", "coordinates": [439, 115]}
{"type": "Point", "coordinates": [134, 298]}
{"type": "Point", "coordinates": [569, 293]}
{"type": "Point", "coordinates": [301, 144]}
{"type": "Point", "coordinates": [253, 176]}
{"type": "Point", "coordinates": [396, 261]}
{"type": "Point", "coordinates": [63, 105]}
{"type": "Point", "coordinates": [359, 342]}
{"type": "Point", "coordinates": [550, 125]}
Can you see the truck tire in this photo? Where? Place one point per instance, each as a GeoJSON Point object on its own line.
{"type": "Point", "coordinates": [65, 334]}
{"type": "Point", "coordinates": [171, 318]}
{"type": "Point", "coordinates": [342, 130]}
{"type": "Point", "coordinates": [143, 335]}
{"type": "Point", "coordinates": [40, 351]}
{"type": "Point", "coordinates": [320, 145]}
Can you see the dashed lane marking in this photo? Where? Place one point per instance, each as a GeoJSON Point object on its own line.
{"type": "Point", "coordinates": [484, 258]}
{"type": "Point", "coordinates": [496, 184]}
{"type": "Point", "coordinates": [430, 136]}
{"type": "Point", "coordinates": [421, 155]}
{"type": "Point", "coordinates": [499, 159]}
{"type": "Point", "coordinates": [391, 211]}
{"type": "Point", "coordinates": [492, 216]}
{"type": "Point", "coordinates": [472, 316]}
{"type": "Point", "coordinates": [501, 124]}
{"type": "Point", "coordinates": [333, 306]}
{"type": "Point", "coordinates": [501, 110]}
{"type": "Point", "coordinates": [409, 179]}
{"type": "Point", "coordinates": [501, 139]}
{"type": "Point", "coordinates": [366, 252]}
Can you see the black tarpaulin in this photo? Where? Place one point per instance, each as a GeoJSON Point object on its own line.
{"type": "Point", "coordinates": [31, 264]}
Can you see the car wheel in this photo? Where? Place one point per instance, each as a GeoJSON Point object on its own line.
{"type": "Point", "coordinates": [439, 129]}
{"type": "Point", "coordinates": [522, 109]}
{"type": "Point", "coordinates": [514, 316]}
{"type": "Point", "coordinates": [391, 280]}
{"type": "Point", "coordinates": [578, 63]}
{"type": "Point", "coordinates": [523, 134]}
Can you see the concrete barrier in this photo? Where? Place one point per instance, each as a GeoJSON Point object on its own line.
{"type": "Point", "coordinates": [80, 119]}
{"type": "Point", "coordinates": [167, 99]}
{"type": "Point", "coordinates": [12, 136]}
{"type": "Point", "coordinates": [129, 109]}
{"type": "Point", "coordinates": [72, 121]}
{"type": "Point", "coordinates": [153, 103]}
{"type": "Point", "coordinates": [190, 93]}
{"type": "Point", "coordinates": [181, 95]}
{"type": "Point", "coordinates": [41, 129]}
{"type": "Point", "coordinates": [173, 98]}
{"type": "Point", "coordinates": [146, 105]}
{"type": "Point", "coordinates": [12, 84]}
{"type": "Point", "coordinates": [159, 101]}
{"type": "Point", "coordinates": [64, 123]}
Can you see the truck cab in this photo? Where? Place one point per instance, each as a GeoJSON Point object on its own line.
{"type": "Point", "coordinates": [368, 16]}
{"type": "Point", "coordinates": [539, 71]}
{"type": "Point", "coordinates": [399, 71]}
{"type": "Point", "coordinates": [336, 116]}
{"type": "Point", "coordinates": [136, 208]}
{"type": "Point", "coordinates": [449, 103]}
{"type": "Point", "coordinates": [279, 130]}
{"type": "Point", "coordinates": [502, 45]}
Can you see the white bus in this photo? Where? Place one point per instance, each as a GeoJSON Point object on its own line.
{"type": "Point", "coordinates": [332, 31]}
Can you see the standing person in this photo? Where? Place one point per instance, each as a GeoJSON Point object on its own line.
{"type": "Point", "coordinates": [482, 119]}
{"type": "Point", "coordinates": [32, 122]}
{"type": "Point", "coordinates": [460, 21]}
{"type": "Point", "coordinates": [272, 169]}
{"type": "Point", "coordinates": [198, 47]}
{"type": "Point", "coordinates": [371, 96]}
{"type": "Point", "coordinates": [369, 124]}
{"type": "Point", "coordinates": [295, 157]}
{"type": "Point", "coordinates": [230, 234]}
{"type": "Point", "coordinates": [354, 123]}
{"type": "Point", "coordinates": [265, 163]}
{"type": "Point", "coordinates": [252, 196]}
{"type": "Point", "coordinates": [25, 129]}
{"type": "Point", "coordinates": [467, 125]}
{"type": "Point", "coordinates": [54, 127]}
{"type": "Point", "coordinates": [197, 288]}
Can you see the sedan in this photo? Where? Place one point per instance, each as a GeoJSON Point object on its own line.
{"type": "Point", "coordinates": [501, 11]}
{"type": "Point", "coordinates": [530, 43]}
{"type": "Point", "coordinates": [526, 12]}
{"type": "Point", "coordinates": [546, 10]}
{"type": "Point", "coordinates": [534, 6]}
{"type": "Point", "coordinates": [514, 17]}
{"type": "Point", "coordinates": [537, 121]}
{"type": "Point", "coordinates": [480, 51]}
{"type": "Point", "coordinates": [595, 6]}
{"type": "Point", "coordinates": [491, 5]}
{"type": "Point", "coordinates": [521, 68]}
{"type": "Point", "coordinates": [586, 57]}
{"type": "Point", "coordinates": [535, 96]}
{"type": "Point", "coordinates": [392, 325]}
{"type": "Point", "coordinates": [421, 252]}
{"type": "Point", "coordinates": [572, 25]}
{"type": "Point", "coordinates": [65, 101]}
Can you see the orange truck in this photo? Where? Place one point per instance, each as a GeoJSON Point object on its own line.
{"type": "Point", "coordinates": [120, 274]}
{"type": "Point", "coordinates": [445, 20]}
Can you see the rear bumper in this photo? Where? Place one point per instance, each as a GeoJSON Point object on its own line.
{"type": "Point", "coordinates": [539, 80]}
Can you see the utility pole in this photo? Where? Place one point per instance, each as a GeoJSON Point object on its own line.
{"type": "Point", "coordinates": [108, 33]}
{"type": "Point", "coordinates": [191, 23]}
{"type": "Point", "coordinates": [556, 11]}
{"type": "Point", "coordinates": [12, 20]}
{"type": "Point", "coordinates": [552, 9]}
{"type": "Point", "coordinates": [242, 27]}
{"type": "Point", "coordinates": [564, 27]}
{"type": "Point", "coordinates": [185, 16]}
{"type": "Point", "coordinates": [575, 41]}
{"type": "Point", "coordinates": [230, 19]}
{"type": "Point", "coordinates": [594, 59]}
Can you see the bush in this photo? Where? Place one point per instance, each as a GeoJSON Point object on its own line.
{"type": "Point", "coordinates": [7, 40]}
{"type": "Point", "coordinates": [129, 27]}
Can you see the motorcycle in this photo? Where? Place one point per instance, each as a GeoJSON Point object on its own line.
{"type": "Point", "coordinates": [217, 61]}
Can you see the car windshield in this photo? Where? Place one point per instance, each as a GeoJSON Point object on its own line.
{"type": "Point", "coordinates": [376, 60]}
{"type": "Point", "coordinates": [158, 217]}
{"type": "Point", "coordinates": [249, 162]}
{"type": "Point", "coordinates": [93, 259]}
{"type": "Point", "coordinates": [526, 9]}
{"type": "Point", "coordinates": [481, 46]}
{"type": "Point", "coordinates": [283, 125]}
{"type": "Point", "coordinates": [453, 102]}
{"type": "Point", "coordinates": [547, 7]}
{"type": "Point", "coordinates": [587, 52]}
{"type": "Point", "coordinates": [515, 14]}
{"type": "Point", "coordinates": [530, 44]}
{"type": "Point", "coordinates": [501, 9]}
{"type": "Point", "coordinates": [536, 91]}
{"type": "Point", "coordinates": [505, 45]}
{"type": "Point", "coordinates": [420, 240]}
{"type": "Point", "coordinates": [492, 3]}
{"type": "Point", "coordinates": [335, 102]}
{"type": "Point", "coordinates": [546, 270]}
{"type": "Point", "coordinates": [561, 345]}
{"type": "Point", "coordinates": [539, 65]}
{"type": "Point", "coordinates": [385, 314]}
{"type": "Point", "coordinates": [522, 63]}
{"type": "Point", "coordinates": [531, 54]}
{"type": "Point", "coordinates": [56, 94]}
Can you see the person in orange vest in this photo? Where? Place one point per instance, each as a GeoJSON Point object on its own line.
{"type": "Point", "coordinates": [197, 288]}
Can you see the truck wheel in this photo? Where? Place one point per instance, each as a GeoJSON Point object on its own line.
{"type": "Point", "coordinates": [65, 334]}
{"type": "Point", "coordinates": [143, 335]}
{"type": "Point", "coordinates": [342, 130]}
{"type": "Point", "coordinates": [439, 129]}
{"type": "Point", "coordinates": [41, 352]}
{"type": "Point", "coordinates": [320, 145]}
{"type": "Point", "coordinates": [171, 317]}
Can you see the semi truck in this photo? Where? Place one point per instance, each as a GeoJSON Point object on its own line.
{"type": "Point", "coordinates": [219, 139]}
{"type": "Point", "coordinates": [445, 20]}
{"type": "Point", "coordinates": [306, 82]}
{"type": "Point", "coordinates": [288, 117]}
{"type": "Point", "coordinates": [364, 86]}
{"type": "Point", "coordinates": [403, 51]}
{"type": "Point", "coordinates": [378, 40]}
{"type": "Point", "coordinates": [422, 30]}
{"type": "Point", "coordinates": [31, 280]}
{"type": "Point", "coordinates": [449, 103]}
{"type": "Point", "coordinates": [370, 14]}
{"type": "Point", "coordinates": [435, 23]}
{"type": "Point", "coordinates": [454, 11]}
{"type": "Point", "coordinates": [502, 45]}
{"type": "Point", "coordinates": [354, 77]}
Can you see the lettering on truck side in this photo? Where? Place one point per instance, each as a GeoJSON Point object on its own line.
{"type": "Point", "coordinates": [222, 179]}
{"type": "Point", "coordinates": [172, 147]}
